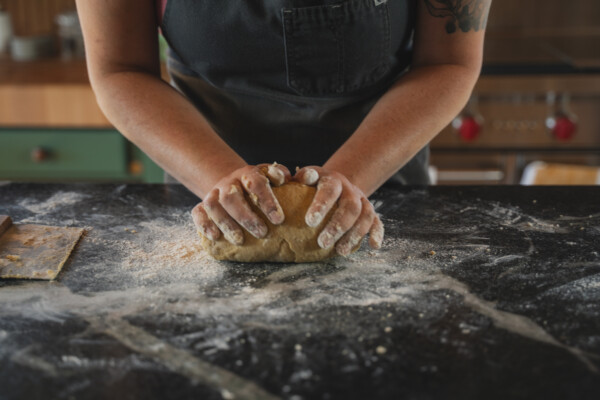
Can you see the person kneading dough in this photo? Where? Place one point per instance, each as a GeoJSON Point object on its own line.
{"type": "Point", "coordinates": [257, 80]}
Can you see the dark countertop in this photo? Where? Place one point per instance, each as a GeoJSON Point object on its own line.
{"type": "Point", "coordinates": [479, 292]}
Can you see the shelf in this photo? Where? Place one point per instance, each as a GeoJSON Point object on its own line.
{"type": "Point", "coordinates": [48, 93]}
{"type": "Point", "coordinates": [42, 72]}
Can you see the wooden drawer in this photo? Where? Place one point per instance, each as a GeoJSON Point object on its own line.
{"type": "Point", "coordinates": [63, 155]}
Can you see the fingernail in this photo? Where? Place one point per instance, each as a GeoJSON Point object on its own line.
{"type": "Point", "coordinates": [262, 231]}
{"type": "Point", "coordinates": [375, 244]}
{"type": "Point", "coordinates": [376, 239]}
{"type": "Point", "coordinates": [314, 219]}
{"type": "Point", "coordinates": [310, 177]}
{"type": "Point", "coordinates": [276, 176]}
{"type": "Point", "coordinates": [276, 217]}
{"type": "Point", "coordinates": [235, 238]}
{"type": "Point", "coordinates": [257, 229]}
{"type": "Point", "coordinates": [213, 234]}
{"type": "Point", "coordinates": [206, 233]}
{"type": "Point", "coordinates": [343, 249]}
{"type": "Point", "coordinates": [325, 240]}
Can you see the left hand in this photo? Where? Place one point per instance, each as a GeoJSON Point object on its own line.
{"type": "Point", "coordinates": [351, 221]}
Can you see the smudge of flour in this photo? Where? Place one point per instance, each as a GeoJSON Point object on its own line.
{"type": "Point", "coordinates": [510, 216]}
{"type": "Point", "coordinates": [58, 200]}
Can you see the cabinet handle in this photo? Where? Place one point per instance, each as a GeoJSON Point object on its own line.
{"type": "Point", "coordinates": [40, 154]}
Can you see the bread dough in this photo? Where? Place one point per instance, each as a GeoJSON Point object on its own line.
{"type": "Point", "coordinates": [292, 241]}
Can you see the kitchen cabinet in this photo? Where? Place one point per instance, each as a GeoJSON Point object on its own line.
{"type": "Point", "coordinates": [51, 128]}
{"type": "Point", "coordinates": [70, 155]}
{"type": "Point", "coordinates": [74, 154]}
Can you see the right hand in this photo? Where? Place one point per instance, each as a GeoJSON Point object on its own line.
{"type": "Point", "coordinates": [354, 218]}
{"type": "Point", "coordinates": [225, 208]}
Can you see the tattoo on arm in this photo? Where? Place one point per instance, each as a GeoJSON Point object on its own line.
{"type": "Point", "coordinates": [464, 14]}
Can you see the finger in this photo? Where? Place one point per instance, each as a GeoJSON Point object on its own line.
{"type": "Point", "coordinates": [328, 191]}
{"type": "Point", "coordinates": [376, 233]}
{"type": "Point", "coordinates": [277, 174]}
{"type": "Point", "coordinates": [286, 172]}
{"type": "Point", "coordinates": [260, 193]}
{"type": "Point", "coordinates": [233, 201]}
{"type": "Point", "coordinates": [354, 236]}
{"type": "Point", "coordinates": [206, 227]}
{"type": "Point", "coordinates": [307, 175]}
{"type": "Point", "coordinates": [348, 211]}
{"type": "Point", "coordinates": [231, 230]}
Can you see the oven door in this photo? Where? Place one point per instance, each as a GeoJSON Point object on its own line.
{"type": "Point", "coordinates": [472, 168]}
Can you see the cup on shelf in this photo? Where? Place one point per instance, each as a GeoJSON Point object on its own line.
{"type": "Point", "coordinates": [29, 48]}
{"type": "Point", "coordinates": [70, 35]}
{"type": "Point", "coordinates": [6, 31]}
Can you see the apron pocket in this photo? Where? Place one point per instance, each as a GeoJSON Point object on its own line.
{"type": "Point", "coordinates": [336, 49]}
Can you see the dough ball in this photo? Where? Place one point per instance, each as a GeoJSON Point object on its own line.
{"type": "Point", "coordinates": [292, 241]}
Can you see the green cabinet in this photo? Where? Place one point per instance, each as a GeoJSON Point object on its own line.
{"type": "Point", "coordinates": [72, 155]}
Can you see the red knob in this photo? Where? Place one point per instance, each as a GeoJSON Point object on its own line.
{"type": "Point", "coordinates": [469, 128]}
{"type": "Point", "coordinates": [564, 128]}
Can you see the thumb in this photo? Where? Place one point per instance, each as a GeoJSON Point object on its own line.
{"type": "Point", "coordinates": [307, 175]}
{"type": "Point", "coordinates": [278, 174]}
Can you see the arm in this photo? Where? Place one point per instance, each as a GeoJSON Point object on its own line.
{"type": "Point", "coordinates": [122, 54]}
{"type": "Point", "coordinates": [446, 63]}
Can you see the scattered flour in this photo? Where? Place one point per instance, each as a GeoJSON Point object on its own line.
{"type": "Point", "coordinates": [169, 252]}
{"type": "Point", "coordinates": [157, 252]}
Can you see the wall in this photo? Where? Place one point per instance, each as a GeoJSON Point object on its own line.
{"type": "Point", "coordinates": [545, 16]}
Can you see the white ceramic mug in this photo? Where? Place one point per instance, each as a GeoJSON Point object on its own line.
{"type": "Point", "coordinates": [6, 31]}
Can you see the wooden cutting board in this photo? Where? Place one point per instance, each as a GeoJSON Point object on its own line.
{"type": "Point", "coordinates": [34, 251]}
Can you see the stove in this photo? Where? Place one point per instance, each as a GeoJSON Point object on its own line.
{"type": "Point", "coordinates": [538, 98]}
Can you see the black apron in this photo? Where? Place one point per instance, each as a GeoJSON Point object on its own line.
{"type": "Point", "coordinates": [289, 80]}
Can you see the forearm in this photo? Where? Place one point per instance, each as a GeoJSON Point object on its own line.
{"type": "Point", "coordinates": [166, 127]}
{"type": "Point", "coordinates": [402, 122]}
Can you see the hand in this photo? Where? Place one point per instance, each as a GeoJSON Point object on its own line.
{"type": "Point", "coordinates": [351, 221]}
{"type": "Point", "coordinates": [225, 209]}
